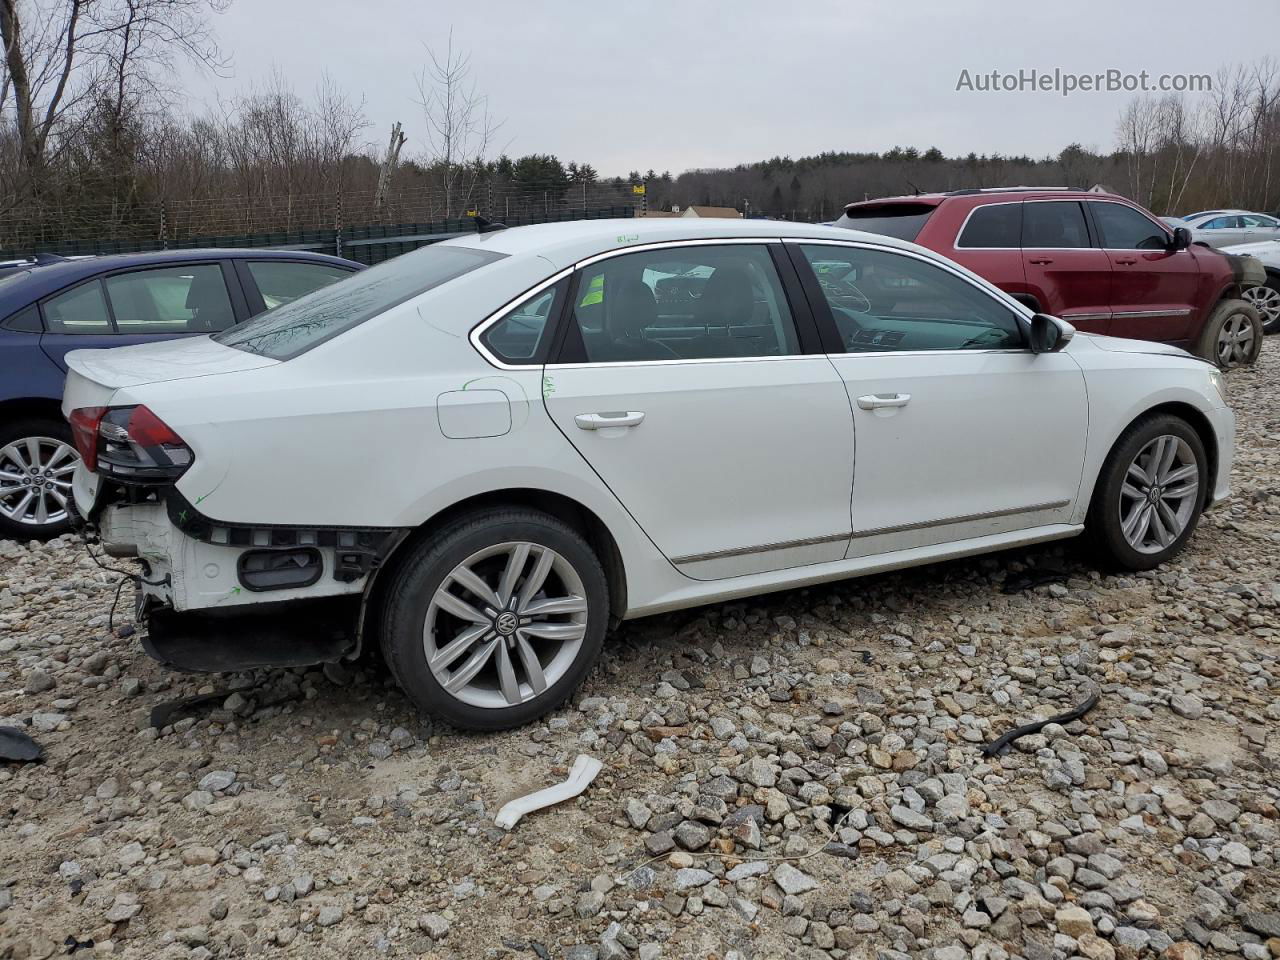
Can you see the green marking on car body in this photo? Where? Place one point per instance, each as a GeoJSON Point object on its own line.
{"type": "Point", "coordinates": [548, 386]}
{"type": "Point", "coordinates": [628, 237]}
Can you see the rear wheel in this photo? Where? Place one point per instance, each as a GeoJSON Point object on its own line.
{"type": "Point", "coordinates": [37, 460]}
{"type": "Point", "coordinates": [1265, 298]}
{"type": "Point", "coordinates": [1233, 335]}
{"type": "Point", "coordinates": [1150, 494]}
{"type": "Point", "coordinates": [496, 619]}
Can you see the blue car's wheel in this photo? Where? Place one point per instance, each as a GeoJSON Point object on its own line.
{"type": "Point", "coordinates": [36, 463]}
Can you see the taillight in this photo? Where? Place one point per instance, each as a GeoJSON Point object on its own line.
{"type": "Point", "coordinates": [130, 444]}
{"type": "Point", "coordinates": [84, 433]}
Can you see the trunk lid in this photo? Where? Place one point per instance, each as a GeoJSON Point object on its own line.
{"type": "Point", "coordinates": [94, 375]}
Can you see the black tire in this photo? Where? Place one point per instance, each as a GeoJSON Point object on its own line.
{"type": "Point", "coordinates": [42, 427]}
{"type": "Point", "coordinates": [425, 569]}
{"type": "Point", "coordinates": [1103, 525]}
{"type": "Point", "coordinates": [1271, 288]}
{"type": "Point", "coordinates": [1229, 311]}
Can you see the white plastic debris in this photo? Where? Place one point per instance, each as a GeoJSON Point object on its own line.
{"type": "Point", "coordinates": [584, 770]}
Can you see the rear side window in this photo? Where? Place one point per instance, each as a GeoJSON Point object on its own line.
{"type": "Point", "coordinates": [309, 321]}
{"type": "Point", "coordinates": [1054, 225]}
{"type": "Point", "coordinates": [81, 309]}
{"type": "Point", "coordinates": [521, 336]}
{"type": "Point", "coordinates": [184, 299]}
{"type": "Point", "coordinates": [1124, 228]}
{"type": "Point", "coordinates": [994, 225]}
{"type": "Point", "coordinates": [901, 220]}
{"type": "Point", "coordinates": [282, 281]}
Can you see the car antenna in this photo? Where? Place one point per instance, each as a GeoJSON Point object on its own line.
{"type": "Point", "coordinates": [485, 225]}
{"type": "Point", "coordinates": [913, 187]}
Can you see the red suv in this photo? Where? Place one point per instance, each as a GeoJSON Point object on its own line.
{"type": "Point", "coordinates": [1098, 261]}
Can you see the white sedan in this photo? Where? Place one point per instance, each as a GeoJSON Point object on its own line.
{"type": "Point", "coordinates": [1265, 296]}
{"type": "Point", "coordinates": [1223, 228]}
{"type": "Point", "coordinates": [489, 451]}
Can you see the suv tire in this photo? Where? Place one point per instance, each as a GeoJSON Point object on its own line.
{"type": "Point", "coordinates": [42, 445]}
{"type": "Point", "coordinates": [496, 618]}
{"type": "Point", "coordinates": [1150, 493]}
{"type": "Point", "coordinates": [1233, 335]}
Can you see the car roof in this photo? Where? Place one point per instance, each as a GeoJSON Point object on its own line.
{"type": "Point", "coordinates": [977, 197]}
{"type": "Point", "coordinates": [563, 244]}
{"type": "Point", "coordinates": [44, 278]}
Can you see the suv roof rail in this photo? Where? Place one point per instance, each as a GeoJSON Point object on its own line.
{"type": "Point", "coordinates": [976, 190]}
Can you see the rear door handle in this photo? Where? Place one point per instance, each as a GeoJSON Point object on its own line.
{"type": "Point", "coordinates": [1126, 262]}
{"type": "Point", "coordinates": [602, 421]}
{"type": "Point", "coordinates": [874, 401]}
{"type": "Point", "coordinates": [1040, 261]}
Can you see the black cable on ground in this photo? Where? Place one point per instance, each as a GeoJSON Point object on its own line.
{"type": "Point", "coordinates": [1089, 702]}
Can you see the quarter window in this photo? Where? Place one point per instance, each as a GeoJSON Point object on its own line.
{"type": "Point", "coordinates": [1257, 220]}
{"type": "Point", "coordinates": [1054, 226]}
{"type": "Point", "coordinates": [682, 303]}
{"type": "Point", "coordinates": [283, 281]}
{"type": "Point", "coordinates": [1124, 228]}
{"type": "Point", "coordinates": [995, 225]}
{"type": "Point", "coordinates": [81, 309]}
{"type": "Point", "coordinates": [191, 299]}
{"type": "Point", "coordinates": [521, 336]}
{"type": "Point", "coordinates": [884, 301]}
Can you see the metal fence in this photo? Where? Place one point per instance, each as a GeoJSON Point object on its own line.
{"type": "Point", "coordinates": [365, 243]}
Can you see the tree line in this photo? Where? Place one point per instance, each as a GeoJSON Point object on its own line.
{"type": "Point", "coordinates": [91, 146]}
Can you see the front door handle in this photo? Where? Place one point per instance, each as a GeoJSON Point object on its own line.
{"type": "Point", "coordinates": [1126, 262]}
{"type": "Point", "coordinates": [875, 401]}
{"type": "Point", "coordinates": [602, 421]}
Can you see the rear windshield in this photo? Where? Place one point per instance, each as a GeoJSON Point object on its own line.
{"type": "Point", "coordinates": [304, 323]}
{"type": "Point", "coordinates": [901, 220]}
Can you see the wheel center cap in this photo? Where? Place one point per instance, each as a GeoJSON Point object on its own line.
{"type": "Point", "coordinates": [1154, 494]}
{"type": "Point", "coordinates": [506, 622]}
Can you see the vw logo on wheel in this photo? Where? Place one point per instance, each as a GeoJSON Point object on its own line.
{"type": "Point", "coordinates": [506, 623]}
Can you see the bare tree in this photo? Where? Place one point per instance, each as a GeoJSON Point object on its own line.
{"type": "Point", "coordinates": [460, 130]}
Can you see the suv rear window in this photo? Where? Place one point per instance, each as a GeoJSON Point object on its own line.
{"type": "Point", "coordinates": [997, 225]}
{"type": "Point", "coordinates": [309, 321]}
{"type": "Point", "coordinates": [901, 220]}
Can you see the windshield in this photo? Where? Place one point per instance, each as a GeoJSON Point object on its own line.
{"type": "Point", "coordinates": [304, 323]}
{"type": "Point", "coordinates": [901, 220]}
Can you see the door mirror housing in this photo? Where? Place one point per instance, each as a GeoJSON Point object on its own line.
{"type": "Point", "coordinates": [1049, 334]}
{"type": "Point", "coordinates": [1181, 239]}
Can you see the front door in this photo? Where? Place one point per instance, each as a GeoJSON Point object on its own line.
{"type": "Point", "coordinates": [961, 431]}
{"type": "Point", "coordinates": [684, 384]}
{"type": "Point", "coordinates": [1154, 289]}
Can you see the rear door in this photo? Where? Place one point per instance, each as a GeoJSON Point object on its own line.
{"type": "Point", "coordinates": [1154, 289]}
{"type": "Point", "coordinates": [989, 242]}
{"type": "Point", "coordinates": [696, 388]}
{"type": "Point", "coordinates": [1066, 271]}
{"type": "Point", "coordinates": [162, 302]}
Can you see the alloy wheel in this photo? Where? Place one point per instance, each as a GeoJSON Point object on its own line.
{"type": "Point", "coordinates": [35, 480]}
{"type": "Point", "coordinates": [1266, 300]}
{"type": "Point", "coordinates": [1159, 496]}
{"type": "Point", "coordinates": [1235, 340]}
{"type": "Point", "coordinates": [505, 625]}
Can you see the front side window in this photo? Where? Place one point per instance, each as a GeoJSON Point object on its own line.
{"type": "Point", "coordinates": [309, 321]}
{"type": "Point", "coordinates": [521, 336]}
{"type": "Point", "coordinates": [1054, 225]}
{"type": "Point", "coordinates": [81, 309]}
{"type": "Point", "coordinates": [893, 302]}
{"type": "Point", "coordinates": [682, 303]}
{"type": "Point", "coordinates": [191, 299]}
{"type": "Point", "coordinates": [1124, 228]}
{"type": "Point", "coordinates": [283, 281]}
{"type": "Point", "coordinates": [997, 225]}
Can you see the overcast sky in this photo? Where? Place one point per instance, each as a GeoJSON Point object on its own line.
{"type": "Point", "coordinates": [674, 84]}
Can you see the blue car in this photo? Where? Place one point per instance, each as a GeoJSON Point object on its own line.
{"type": "Point", "coordinates": [52, 305]}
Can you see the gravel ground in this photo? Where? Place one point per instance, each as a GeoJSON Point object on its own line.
{"type": "Point", "coordinates": [769, 789]}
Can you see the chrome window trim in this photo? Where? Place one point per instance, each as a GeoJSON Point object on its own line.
{"type": "Point", "coordinates": [761, 548]}
{"type": "Point", "coordinates": [967, 518]}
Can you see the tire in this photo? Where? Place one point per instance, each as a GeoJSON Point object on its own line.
{"type": "Point", "coordinates": [1233, 335]}
{"type": "Point", "coordinates": [418, 622]}
{"type": "Point", "coordinates": [1265, 298]}
{"type": "Point", "coordinates": [1114, 499]}
{"type": "Point", "coordinates": [24, 502]}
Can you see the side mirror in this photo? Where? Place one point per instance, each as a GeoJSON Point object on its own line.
{"type": "Point", "coordinates": [1181, 239]}
{"type": "Point", "coordinates": [1049, 334]}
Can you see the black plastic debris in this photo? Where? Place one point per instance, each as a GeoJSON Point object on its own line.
{"type": "Point", "coordinates": [16, 746]}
